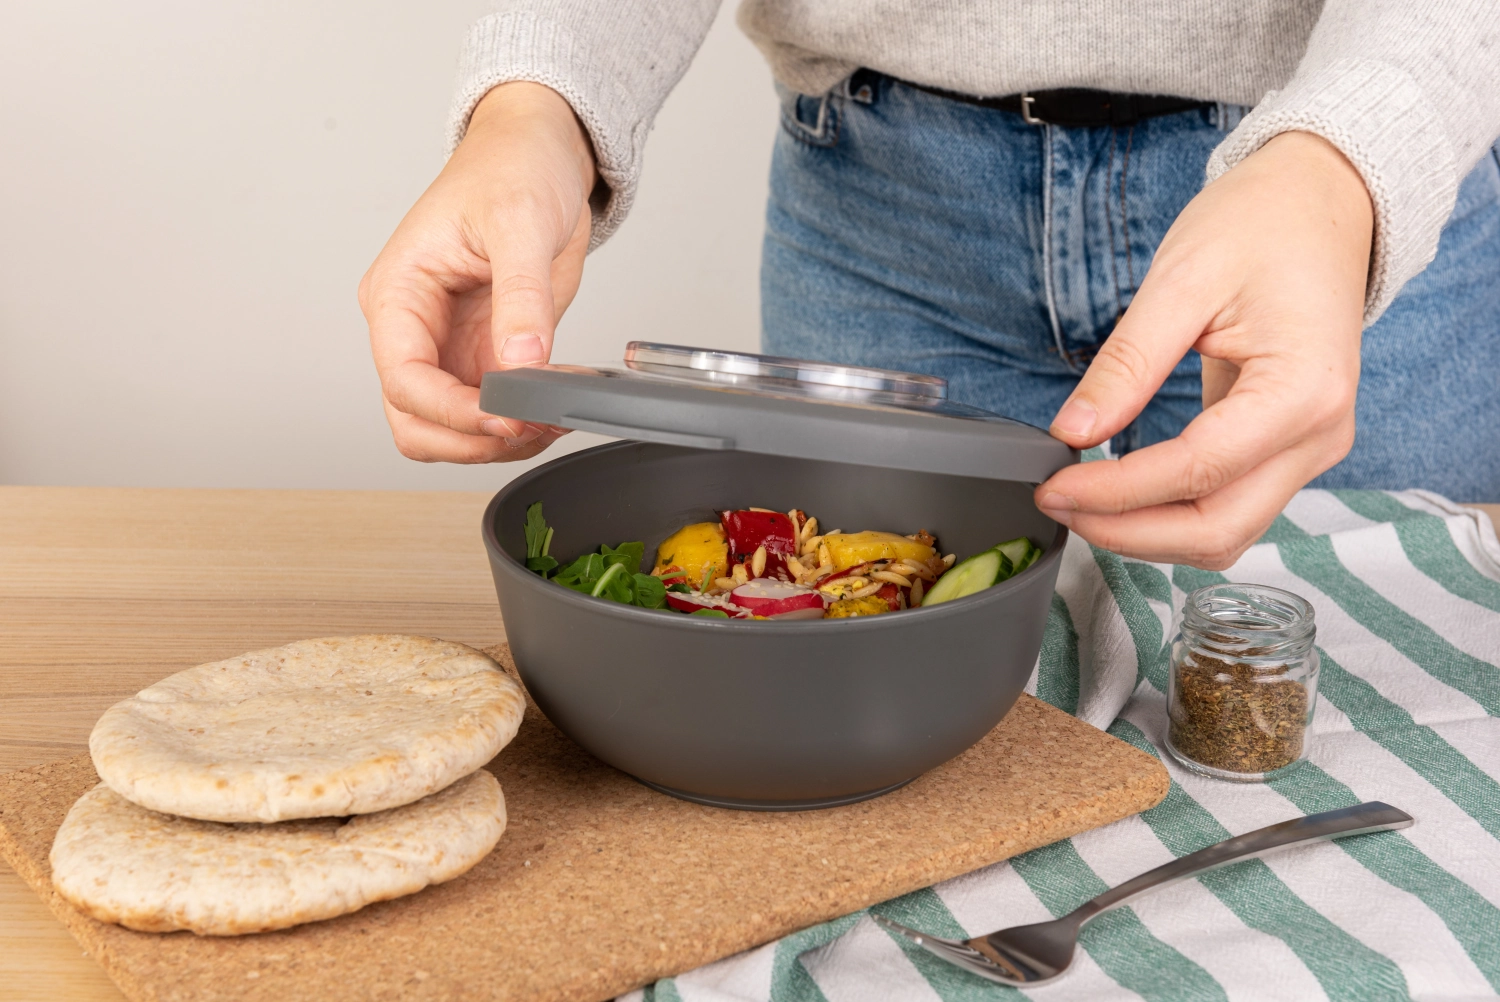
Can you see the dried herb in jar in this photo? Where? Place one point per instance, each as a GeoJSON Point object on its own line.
{"type": "Point", "coordinates": [1237, 716]}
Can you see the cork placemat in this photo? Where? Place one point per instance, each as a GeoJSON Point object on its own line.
{"type": "Point", "coordinates": [601, 885]}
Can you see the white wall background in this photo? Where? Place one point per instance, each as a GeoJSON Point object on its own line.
{"type": "Point", "coordinates": [190, 192]}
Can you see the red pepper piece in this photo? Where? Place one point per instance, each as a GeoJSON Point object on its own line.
{"type": "Point", "coordinates": [748, 530]}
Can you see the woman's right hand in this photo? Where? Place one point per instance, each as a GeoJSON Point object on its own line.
{"type": "Point", "coordinates": [477, 275]}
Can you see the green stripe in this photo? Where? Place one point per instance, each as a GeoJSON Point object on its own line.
{"type": "Point", "coordinates": [1057, 676]}
{"type": "Point", "coordinates": [1419, 746]}
{"type": "Point", "coordinates": [1428, 546]}
{"type": "Point", "coordinates": [1118, 941]}
{"type": "Point", "coordinates": [1149, 581]}
{"type": "Point", "coordinates": [1474, 922]}
{"type": "Point", "coordinates": [790, 981]}
{"type": "Point", "coordinates": [1190, 579]}
{"type": "Point", "coordinates": [1281, 530]}
{"type": "Point", "coordinates": [1313, 559]}
{"type": "Point", "coordinates": [1476, 793]}
{"type": "Point", "coordinates": [924, 911]}
{"type": "Point", "coordinates": [664, 990]}
{"type": "Point", "coordinates": [1145, 628]}
{"type": "Point", "coordinates": [1345, 967]}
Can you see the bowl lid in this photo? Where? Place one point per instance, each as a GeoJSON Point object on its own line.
{"type": "Point", "coordinates": [709, 399]}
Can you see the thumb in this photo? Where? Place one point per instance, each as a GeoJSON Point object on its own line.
{"type": "Point", "coordinates": [1136, 358]}
{"type": "Point", "coordinates": [523, 316]}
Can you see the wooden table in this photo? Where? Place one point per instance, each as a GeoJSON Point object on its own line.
{"type": "Point", "coordinates": [103, 592]}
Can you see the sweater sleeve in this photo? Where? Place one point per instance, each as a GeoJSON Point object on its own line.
{"type": "Point", "coordinates": [1409, 91]}
{"type": "Point", "coordinates": [613, 61]}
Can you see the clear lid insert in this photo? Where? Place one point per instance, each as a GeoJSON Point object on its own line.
{"type": "Point", "coordinates": [713, 399]}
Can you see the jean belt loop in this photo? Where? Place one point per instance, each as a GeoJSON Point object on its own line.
{"type": "Point", "coordinates": [1026, 102]}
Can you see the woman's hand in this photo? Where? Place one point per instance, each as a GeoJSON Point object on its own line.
{"type": "Point", "coordinates": [1264, 274]}
{"type": "Point", "coordinates": [477, 275]}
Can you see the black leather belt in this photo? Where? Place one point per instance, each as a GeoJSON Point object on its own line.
{"type": "Point", "coordinates": [1076, 107]}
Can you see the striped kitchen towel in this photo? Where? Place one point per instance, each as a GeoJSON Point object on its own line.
{"type": "Point", "coordinates": [1406, 588]}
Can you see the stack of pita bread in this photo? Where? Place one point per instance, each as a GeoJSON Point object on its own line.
{"type": "Point", "coordinates": [290, 785]}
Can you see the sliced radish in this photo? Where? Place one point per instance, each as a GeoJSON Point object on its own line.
{"type": "Point", "coordinates": [691, 601]}
{"type": "Point", "coordinates": [779, 599]}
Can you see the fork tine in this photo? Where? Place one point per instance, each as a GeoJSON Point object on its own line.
{"type": "Point", "coordinates": [960, 955]}
{"type": "Point", "coordinates": [919, 938]}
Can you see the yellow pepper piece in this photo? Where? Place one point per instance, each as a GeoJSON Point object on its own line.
{"type": "Point", "coordinates": [695, 548]}
{"type": "Point", "coordinates": [860, 547]}
{"type": "Point", "coordinates": [845, 608]}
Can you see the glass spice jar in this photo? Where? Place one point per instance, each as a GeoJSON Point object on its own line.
{"type": "Point", "coordinates": [1243, 680]}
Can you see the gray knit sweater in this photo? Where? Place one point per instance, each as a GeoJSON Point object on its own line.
{"type": "Point", "coordinates": [1409, 90]}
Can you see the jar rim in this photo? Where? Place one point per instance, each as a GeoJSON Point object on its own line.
{"type": "Point", "coordinates": [1259, 610]}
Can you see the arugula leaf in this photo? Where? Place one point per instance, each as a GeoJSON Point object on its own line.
{"type": "Point", "coordinates": [650, 593]}
{"type": "Point", "coordinates": [613, 573]}
{"type": "Point", "coordinates": [582, 574]}
{"type": "Point", "coordinates": [714, 613]}
{"type": "Point", "coordinates": [627, 555]}
{"type": "Point", "coordinates": [537, 532]}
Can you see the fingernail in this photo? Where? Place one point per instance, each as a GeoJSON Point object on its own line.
{"type": "Point", "coordinates": [522, 349]}
{"type": "Point", "coordinates": [499, 427]}
{"type": "Point", "coordinates": [1053, 501]}
{"type": "Point", "coordinates": [530, 434]}
{"type": "Point", "coordinates": [1076, 419]}
{"type": "Point", "coordinates": [1058, 507]}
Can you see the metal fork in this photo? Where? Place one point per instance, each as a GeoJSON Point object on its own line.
{"type": "Point", "coordinates": [1032, 954]}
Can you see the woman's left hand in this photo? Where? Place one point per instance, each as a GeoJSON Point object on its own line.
{"type": "Point", "coordinates": [1264, 275]}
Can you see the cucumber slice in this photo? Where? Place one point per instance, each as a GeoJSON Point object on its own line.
{"type": "Point", "coordinates": [1030, 558]}
{"type": "Point", "coordinates": [1014, 551]}
{"type": "Point", "coordinates": [967, 578]}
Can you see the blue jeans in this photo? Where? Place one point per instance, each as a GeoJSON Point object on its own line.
{"type": "Point", "coordinates": [911, 231]}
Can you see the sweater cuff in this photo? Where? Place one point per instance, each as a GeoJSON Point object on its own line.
{"type": "Point", "coordinates": [1378, 117]}
{"type": "Point", "coordinates": [503, 48]}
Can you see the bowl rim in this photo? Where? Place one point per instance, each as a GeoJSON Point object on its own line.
{"type": "Point", "coordinates": [760, 627]}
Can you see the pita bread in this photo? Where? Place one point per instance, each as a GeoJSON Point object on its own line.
{"type": "Point", "coordinates": [121, 863]}
{"type": "Point", "coordinates": [319, 728]}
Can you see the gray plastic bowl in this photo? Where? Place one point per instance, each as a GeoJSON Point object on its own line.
{"type": "Point", "coordinates": [761, 714]}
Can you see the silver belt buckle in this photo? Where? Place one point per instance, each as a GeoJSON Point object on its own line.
{"type": "Point", "coordinates": [1026, 102]}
